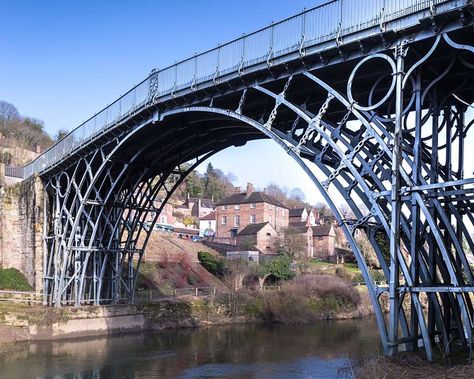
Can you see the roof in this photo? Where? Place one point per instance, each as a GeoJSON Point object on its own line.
{"type": "Point", "coordinates": [254, 197]}
{"type": "Point", "coordinates": [205, 203]}
{"type": "Point", "coordinates": [296, 212]}
{"type": "Point", "coordinates": [321, 230]}
{"type": "Point", "coordinates": [252, 229]}
{"type": "Point", "coordinates": [210, 216]}
{"type": "Point", "coordinates": [298, 224]}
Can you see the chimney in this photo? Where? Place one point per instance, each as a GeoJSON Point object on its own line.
{"type": "Point", "coordinates": [250, 189]}
{"type": "Point", "coordinates": [38, 149]}
{"type": "Point", "coordinates": [237, 190]}
{"type": "Point", "coordinates": [264, 190]}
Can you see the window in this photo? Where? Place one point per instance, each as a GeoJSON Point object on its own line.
{"type": "Point", "coordinates": [224, 207]}
{"type": "Point", "coordinates": [236, 220]}
{"type": "Point", "coordinates": [253, 219]}
{"type": "Point", "coordinates": [270, 219]}
{"type": "Point", "coordinates": [224, 220]}
{"type": "Point", "coordinates": [163, 219]}
{"type": "Point", "coordinates": [209, 224]}
{"type": "Point", "coordinates": [270, 206]}
{"type": "Point", "coordinates": [236, 206]}
{"type": "Point", "coordinates": [282, 211]}
{"type": "Point", "coordinates": [252, 205]}
{"type": "Point", "coordinates": [321, 238]}
{"type": "Point", "coordinates": [269, 234]}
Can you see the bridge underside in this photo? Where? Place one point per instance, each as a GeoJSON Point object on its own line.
{"type": "Point", "coordinates": [387, 129]}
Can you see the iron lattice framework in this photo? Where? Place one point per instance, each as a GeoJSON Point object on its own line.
{"type": "Point", "coordinates": [383, 127]}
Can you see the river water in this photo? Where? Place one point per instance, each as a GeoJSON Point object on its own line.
{"type": "Point", "coordinates": [327, 349]}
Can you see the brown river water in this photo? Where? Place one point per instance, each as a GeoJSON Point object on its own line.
{"type": "Point", "coordinates": [327, 349]}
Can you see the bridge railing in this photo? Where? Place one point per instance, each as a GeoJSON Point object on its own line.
{"type": "Point", "coordinates": [331, 20]}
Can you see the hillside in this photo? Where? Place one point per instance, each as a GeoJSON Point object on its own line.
{"type": "Point", "coordinates": [171, 263]}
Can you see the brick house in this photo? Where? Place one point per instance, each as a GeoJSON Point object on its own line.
{"type": "Point", "coordinates": [166, 216]}
{"type": "Point", "coordinates": [260, 236]}
{"type": "Point", "coordinates": [241, 209]}
{"type": "Point", "coordinates": [324, 242]}
{"type": "Point", "coordinates": [201, 207]}
{"type": "Point", "coordinates": [298, 215]}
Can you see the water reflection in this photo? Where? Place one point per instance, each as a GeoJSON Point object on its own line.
{"type": "Point", "coordinates": [320, 350]}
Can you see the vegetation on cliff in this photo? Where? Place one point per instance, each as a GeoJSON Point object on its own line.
{"type": "Point", "coordinates": [13, 280]}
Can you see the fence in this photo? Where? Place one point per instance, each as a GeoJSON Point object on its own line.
{"type": "Point", "coordinates": [14, 171]}
{"type": "Point", "coordinates": [27, 297]}
{"type": "Point", "coordinates": [332, 20]}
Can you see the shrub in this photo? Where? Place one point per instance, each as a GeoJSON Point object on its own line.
{"type": "Point", "coordinates": [341, 272]}
{"type": "Point", "coordinates": [13, 280]}
{"type": "Point", "coordinates": [212, 264]}
{"type": "Point", "coordinates": [308, 298]}
{"type": "Point", "coordinates": [192, 279]}
{"type": "Point", "coordinates": [279, 266]}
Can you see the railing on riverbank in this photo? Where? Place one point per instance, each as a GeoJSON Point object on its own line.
{"type": "Point", "coordinates": [25, 297]}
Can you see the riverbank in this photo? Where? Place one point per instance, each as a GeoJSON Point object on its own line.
{"type": "Point", "coordinates": [412, 366]}
{"type": "Point", "coordinates": [301, 301]}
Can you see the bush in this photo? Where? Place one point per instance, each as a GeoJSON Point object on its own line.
{"type": "Point", "coordinates": [376, 275]}
{"type": "Point", "coordinates": [192, 279]}
{"type": "Point", "coordinates": [341, 272]}
{"type": "Point", "coordinates": [212, 264]}
{"type": "Point", "coordinates": [13, 280]}
{"type": "Point", "coordinates": [308, 298]}
{"type": "Point", "coordinates": [279, 266]}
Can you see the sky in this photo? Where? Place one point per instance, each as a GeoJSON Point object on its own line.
{"type": "Point", "coordinates": [62, 61]}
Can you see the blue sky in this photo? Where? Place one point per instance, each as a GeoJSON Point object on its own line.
{"type": "Point", "coordinates": [62, 61]}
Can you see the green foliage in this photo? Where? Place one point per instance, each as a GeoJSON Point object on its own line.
{"type": "Point", "coordinates": [376, 275]}
{"type": "Point", "coordinates": [279, 266]}
{"type": "Point", "coordinates": [13, 280]}
{"type": "Point", "coordinates": [215, 266]}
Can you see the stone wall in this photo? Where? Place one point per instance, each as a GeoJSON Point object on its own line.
{"type": "Point", "coordinates": [21, 228]}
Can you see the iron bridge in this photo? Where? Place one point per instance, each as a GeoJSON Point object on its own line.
{"type": "Point", "coordinates": [376, 94]}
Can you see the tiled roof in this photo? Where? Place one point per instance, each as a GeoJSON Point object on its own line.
{"type": "Point", "coordinates": [296, 212]}
{"type": "Point", "coordinates": [321, 230]}
{"type": "Point", "coordinates": [298, 224]}
{"type": "Point", "coordinates": [254, 197]}
{"type": "Point", "coordinates": [251, 229]}
{"type": "Point", "coordinates": [210, 216]}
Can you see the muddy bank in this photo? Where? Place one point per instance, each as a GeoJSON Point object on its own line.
{"type": "Point", "coordinates": [28, 323]}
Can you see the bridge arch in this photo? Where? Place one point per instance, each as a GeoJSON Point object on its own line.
{"type": "Point", "coordinates": [106, 196]}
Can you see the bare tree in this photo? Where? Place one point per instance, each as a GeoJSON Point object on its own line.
{"type": "Point", "coordinates": [8, 112]}
{"type": "Point", "coordinates": [291, 242]}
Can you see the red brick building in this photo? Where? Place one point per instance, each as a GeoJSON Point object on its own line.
{"type": "Point", "coordinates": [260, 236]}
{"type": "Point", "coordinates": [241, 209]}
{"type": "Point", "coordinates": [324, 242]}
{"type": "Point", "coordinates": [306, 215]}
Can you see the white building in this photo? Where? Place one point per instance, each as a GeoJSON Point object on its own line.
{"type": "Point", "coordinates": [207, 225]}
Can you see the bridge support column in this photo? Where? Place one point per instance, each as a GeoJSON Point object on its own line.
{"type": "Point", "coordinates": [396, 206]}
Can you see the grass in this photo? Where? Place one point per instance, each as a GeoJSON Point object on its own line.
{"type": "Point", "coordinates": [411, 366]}
{"type": "Point", "coordinates": [13, 280]}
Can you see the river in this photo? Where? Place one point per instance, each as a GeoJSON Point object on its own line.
{"type": "Point", "coordinates": [327, 349]}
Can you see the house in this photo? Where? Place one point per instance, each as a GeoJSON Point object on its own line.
{"type": "Point", "coordinates": [166, 215]}
{"type": "Point", "coordinates": [260, 235]}
{"type": "Point", "coordinates": [201, 207]}
{"type": "Point", "coordinates": [242, 209]}
{"type": "Point", "coordinates": [324, 242]}
{"type": "Point", "coordinates": [307, 233]}
{"type": "Point", "coordinates": [207, 225]}
{"type": "Point", "coordinates": [298, 215]}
